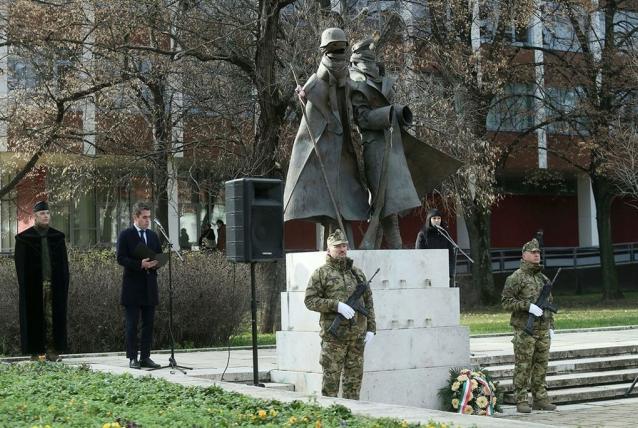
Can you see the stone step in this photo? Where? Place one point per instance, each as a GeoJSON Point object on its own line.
{"type": "Point", "coordinates": [571, 380]}
{"type": "Point", "coordinates": [596, 364]}
{"type": "Point", "coordinates": [280, 386]}
{"type": "Point", "coordinates": [589, 393]}
{"type": "Point", "coordinates": [563, 354]}
{"type": "Point", "coordinates": [233, 374]}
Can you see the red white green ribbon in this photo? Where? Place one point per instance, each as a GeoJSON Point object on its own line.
{"type": "Point", "coordinates": [466, 394]}
{"type": "Point", "coordinates": [490, 408]}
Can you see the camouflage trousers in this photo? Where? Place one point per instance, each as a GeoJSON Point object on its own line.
{"type": "Point", "coordinates": [531, 356]}
{"type": "Point", "coordinates": [47, 306]}
{"type": "Point", "coordinates": [339, 357]}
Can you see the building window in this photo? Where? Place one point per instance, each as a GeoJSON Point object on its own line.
{"type": "Point", "coordinates": [512, 111]}
{"type": "Point", "coordinates": [8, 222]}
{"type": "Point", "coordinates": [626, 30]}
{"type": "Point", "coordinates": [558, 32]}
{"type": "Point", "coordinates": [563, 105]}
{"type": "Point", "coordinates": [22, 74]}
{"type": "Point", "coordinates": [113, 213]}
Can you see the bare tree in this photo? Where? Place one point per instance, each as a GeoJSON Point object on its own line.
{"type": "Point", "coordinates": [50, 82]}
{"type": "Point", "coordinates": [594, 63]}
{"type": "Point", "coordinates": [462, 63]}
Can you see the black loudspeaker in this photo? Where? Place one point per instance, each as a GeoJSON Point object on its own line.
{"type": "Point", "coordinates": [254, 220]}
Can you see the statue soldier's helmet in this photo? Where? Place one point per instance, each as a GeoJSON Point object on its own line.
{"type": "Point", "coordinates": [363, 45]}
{"type": "Point", "coordinates": [331, 35]}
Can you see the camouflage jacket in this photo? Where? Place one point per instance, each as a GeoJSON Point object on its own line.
{"type": "Point", "coordinates": [332, 283]}
{"type": "Point", "coordinates": [522, 288]}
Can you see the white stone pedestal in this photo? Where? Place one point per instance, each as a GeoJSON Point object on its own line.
{"type": "Point", "coordinates": [418, 333]}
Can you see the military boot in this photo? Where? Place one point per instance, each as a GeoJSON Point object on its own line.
{"type": "Point", "coordinates": [544, 405]}
{"type": "Point", "coordinates": [523, 407]}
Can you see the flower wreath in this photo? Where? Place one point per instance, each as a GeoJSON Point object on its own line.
{"type": "Point", "coordinates": [471, 393]}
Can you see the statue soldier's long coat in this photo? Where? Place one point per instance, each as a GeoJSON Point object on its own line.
{"type": "Point", "coordinates": [305, 194]}
{"type": "Point", "coordinates": [28, 261]}
{"type": "Point", "coordinates": [414, 167]}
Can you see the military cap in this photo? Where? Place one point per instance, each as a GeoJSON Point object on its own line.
{"type": "Point", "coordinates": [363, 45]}
{"type": "Point", "coordinates": [337, 237]}
{"type": "Point", "coordinates": [331, 35]}
{"type": "Point", "coordinates": [40, 206]}
{"type": "Point", "coordinates": [531, 246]}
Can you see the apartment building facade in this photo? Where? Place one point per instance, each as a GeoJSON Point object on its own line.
{"type": "Point", "coordinates": [539, 191]}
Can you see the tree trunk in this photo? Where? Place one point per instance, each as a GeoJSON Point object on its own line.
{"type": "Point", "coordinates": [271, 115]}
{"type": "Point", "coordinates": [162, 135]}
{"type": "Point", "coordinates": [478, 228]}
{"type": "Point", "coordinates": [604, 195]}
{"type": "Point", "coordinates": [273, 277]}
{"type": "Point", "coordinates": [111, 194]}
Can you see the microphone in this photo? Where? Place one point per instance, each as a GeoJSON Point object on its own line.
{"type": "Point", "coordinates": [157, 222]}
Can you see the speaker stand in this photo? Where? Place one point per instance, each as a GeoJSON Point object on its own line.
{"type": "Point", "coordinates": [253, 315]}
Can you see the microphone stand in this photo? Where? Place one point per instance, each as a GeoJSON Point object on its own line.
{"type": "Point", "coordinates": [456, 250]}
{"type": "Point", "coordinates": [172, 363]}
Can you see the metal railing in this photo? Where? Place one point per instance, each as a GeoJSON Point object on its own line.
{"type": "Point", "coordinates": [508, 259]}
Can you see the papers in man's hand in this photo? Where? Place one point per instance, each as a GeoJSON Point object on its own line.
{"type": "Point", "coordinates": [142, 251]}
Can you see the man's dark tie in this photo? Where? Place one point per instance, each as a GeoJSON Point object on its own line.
{"type": "Point", "coordinates": [143, 235]}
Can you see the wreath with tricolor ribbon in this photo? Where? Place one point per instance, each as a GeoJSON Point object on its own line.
{"type": "Point", "coordinates": [471, 392]}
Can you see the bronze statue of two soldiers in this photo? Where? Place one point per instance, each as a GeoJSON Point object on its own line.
{"type": "Point", "coordinates": [324, 182]}
{"type": "Point", "coordinates": [325, 185]}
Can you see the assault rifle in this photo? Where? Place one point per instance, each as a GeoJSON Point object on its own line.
{"type": "Point", "coordinates": [353, 302]}
{"type": "Point", "coordinates": [542, 303]}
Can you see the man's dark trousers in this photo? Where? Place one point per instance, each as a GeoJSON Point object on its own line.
{"type": "Point", "coordinates": [133, 314]}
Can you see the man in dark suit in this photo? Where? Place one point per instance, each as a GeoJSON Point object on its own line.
{"type": "Point", "coordinates": [139, 285]}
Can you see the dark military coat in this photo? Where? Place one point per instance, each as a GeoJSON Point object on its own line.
{"type": "Point", "coordinates": [28, 262]}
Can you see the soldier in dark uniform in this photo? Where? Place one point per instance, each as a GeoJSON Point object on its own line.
{"type": "Point", "coordinates": [531, 353]}
{"type": "Point", "coordinates": [42, 269]}
{"type": "Point", "coordinates": [328, 289]}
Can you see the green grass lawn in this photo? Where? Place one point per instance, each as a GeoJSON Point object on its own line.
{"type": "Point", "coordinates": [54, 395]}
{"type": "Point", "coordinates": [584, 311]}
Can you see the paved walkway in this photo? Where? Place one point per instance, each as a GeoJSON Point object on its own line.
{"type": "Point", "coordinates": [209, 366]}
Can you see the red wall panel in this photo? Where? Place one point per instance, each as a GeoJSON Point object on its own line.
{"type": "Point", "coordinates": [624, 220]}
{"type": "Point", "coordinates": [518, 217]}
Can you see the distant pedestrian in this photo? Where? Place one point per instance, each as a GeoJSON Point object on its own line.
{"type": "Point", "coordinates": [184, 240]}
{"type": "Point", "coordinates": [221, 236]}
{"type": "Point", "coordinates": [531, 353]}
{"type": "Point", "coordinates": [206, 240]}
{"type": "Point", "coordinates": [42, 268]}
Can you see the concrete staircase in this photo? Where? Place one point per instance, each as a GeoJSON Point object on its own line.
{"type": "Point", "coordinates": [578, 375]}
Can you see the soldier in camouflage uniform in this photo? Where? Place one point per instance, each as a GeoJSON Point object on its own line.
{"type": "Point", "coordinates": [328, 289]}
{"type": "Point", "coordinates": [531, 353]}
